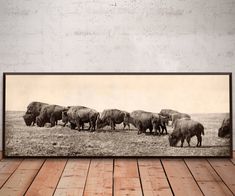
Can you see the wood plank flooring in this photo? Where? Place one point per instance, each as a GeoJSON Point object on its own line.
{"type": "Point", "coordinates": [119, 177]}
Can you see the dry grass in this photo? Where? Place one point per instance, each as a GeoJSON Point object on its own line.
{"type": "Point", "coordinates": [21, 140]}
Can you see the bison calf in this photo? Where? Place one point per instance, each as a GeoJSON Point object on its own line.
{"type": "Point", "coordinates": [186, 129]}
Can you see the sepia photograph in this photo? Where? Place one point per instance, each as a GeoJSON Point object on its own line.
{"type": "Point", "coordinates": [117, 115]}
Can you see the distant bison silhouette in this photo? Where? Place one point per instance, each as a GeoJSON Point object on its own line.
{"type": "Point", "coordinates": [224, 130]}
{"type": "Point", "coordinates": [168, 113]}
{"type": "Point", "coordinates": [33, 110]}
{"type": "Point", "coordinates": [176, 116]}
{"type": "Point", "coordinates": [186, 129]}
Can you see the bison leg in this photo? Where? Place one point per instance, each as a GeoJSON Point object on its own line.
{"type": "Point", "coordinates": [172, 124]}
{"type": "Point", "coordinates": [72, 125]}
{"type": "Point", "coordinates": [150, 130]}
{"type": "Point", "coordinates": [139, 127]}
{"type": "Point", "coordinates": [155, 131]}
{"type": "Point", "coordinates": [159, 130]}
{"type": "Point", "coordinates": [93, 125]}
{"type": "Point", "coordinates": [53, 124]}
{"type": "Point", "coordinates": [199, 140]}
{"type": "Point", "coordinates": [78, 124]}
{"type": "Point", "coordinates": [139, 131]}
{"type": "Point", "coordinates": [112, 124]}
{"type": "Point", "coordinates": [34, 121]}
{"type": "Point", "coordinates": [188, 140]}
{"type": "Point", "coordinates": [182, 142]}
{"type": "Point", "coordinates": [126, 124]}
{"type": "Point", "coordinates": [52, 121]}
{"type": "Point", "coordinates": [82, 125]}
{"type": "Point", "coordinates": [164, 128]}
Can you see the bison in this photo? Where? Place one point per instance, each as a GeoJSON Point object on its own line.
{"type": "Point", "coordinates": [65, 118]}
{"type": "Point", "coordinates": [29, 119]}
{"type": "Point", "coordinates": [168, 114]}
{"type": "Point", "coordinates": [143, 120]}
{"type": "Point", "coordinates": [112, 117]}
{"type": "Point", "coordinates": [33, 110]}
{"type": "Point", "coordinates": [176, 116]}
{"type": "Point", "coordinates": [224, 130]}
{"type": "Point", "coordinates": [50, 114]}
{"type": "Point", "coordinates": [78, 115]}
{"type": "Point", "coordinates": [186, 129]}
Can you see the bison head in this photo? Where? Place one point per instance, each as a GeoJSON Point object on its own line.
{"type": "Point", "coordinates": [28, 119]}
{"type": "Point", "coordinates": [99, 123]}
{"type": "Point", "coordinates": [173, 139]}
{"type": "Point", "coordinates": [223, 131]}
{"type": "Point", "coordinates": [39, 121]}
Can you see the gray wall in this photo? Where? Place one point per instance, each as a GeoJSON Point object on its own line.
{"type": "Point", "coordinates": [130, 35]}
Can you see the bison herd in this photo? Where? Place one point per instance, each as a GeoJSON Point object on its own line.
{"type": "Point", "coordinates": [184, 128]}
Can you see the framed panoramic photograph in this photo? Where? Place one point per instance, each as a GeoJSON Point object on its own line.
{"type": "Point", "coordinates": [117, 115]}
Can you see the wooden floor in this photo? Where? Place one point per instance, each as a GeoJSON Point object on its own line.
{"type": "Point", "coordinates": [117, 177]}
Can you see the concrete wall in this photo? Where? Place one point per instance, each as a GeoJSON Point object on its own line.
{"type": "Point", "coordinates": [109, 35]}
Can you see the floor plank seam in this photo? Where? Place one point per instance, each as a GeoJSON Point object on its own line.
{"type": "Point", "coordinates": [11, 173]}
{"type": "Point", "coordinates": [34, 177]}
{"type": "Point", "coordinates": [193, 177]}
{"type": "Point", "coordinates": [113, 177]}
{"type": "Point", "coordinates": [88, 170]}
{"type": "Point", "coordinates": [167, 178]}
{"type": "Point", "coordinates": [220, 177]}
{"type": "Point", "coordinates": [141, 185]}
{"type": "Point", "coordinates": [232, 161]}
{"type": "Point", "coordinates": [60, 177]}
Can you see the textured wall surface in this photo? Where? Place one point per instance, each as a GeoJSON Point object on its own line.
{"type": "Point", "coordinates": [122, 35]}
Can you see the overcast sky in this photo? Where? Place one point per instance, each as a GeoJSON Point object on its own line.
{"type": "Point", "coordinates": [185, 93]}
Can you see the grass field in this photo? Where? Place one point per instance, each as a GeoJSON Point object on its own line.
{"type": "Point", "coordinates": [21, 140]}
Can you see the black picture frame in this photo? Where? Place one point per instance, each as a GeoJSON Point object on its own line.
{"type": "Point", "coordinates": [5, 74]}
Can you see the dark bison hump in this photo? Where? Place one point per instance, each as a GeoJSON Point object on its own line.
{"type": "Point", "coordinates": [35, 107]}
